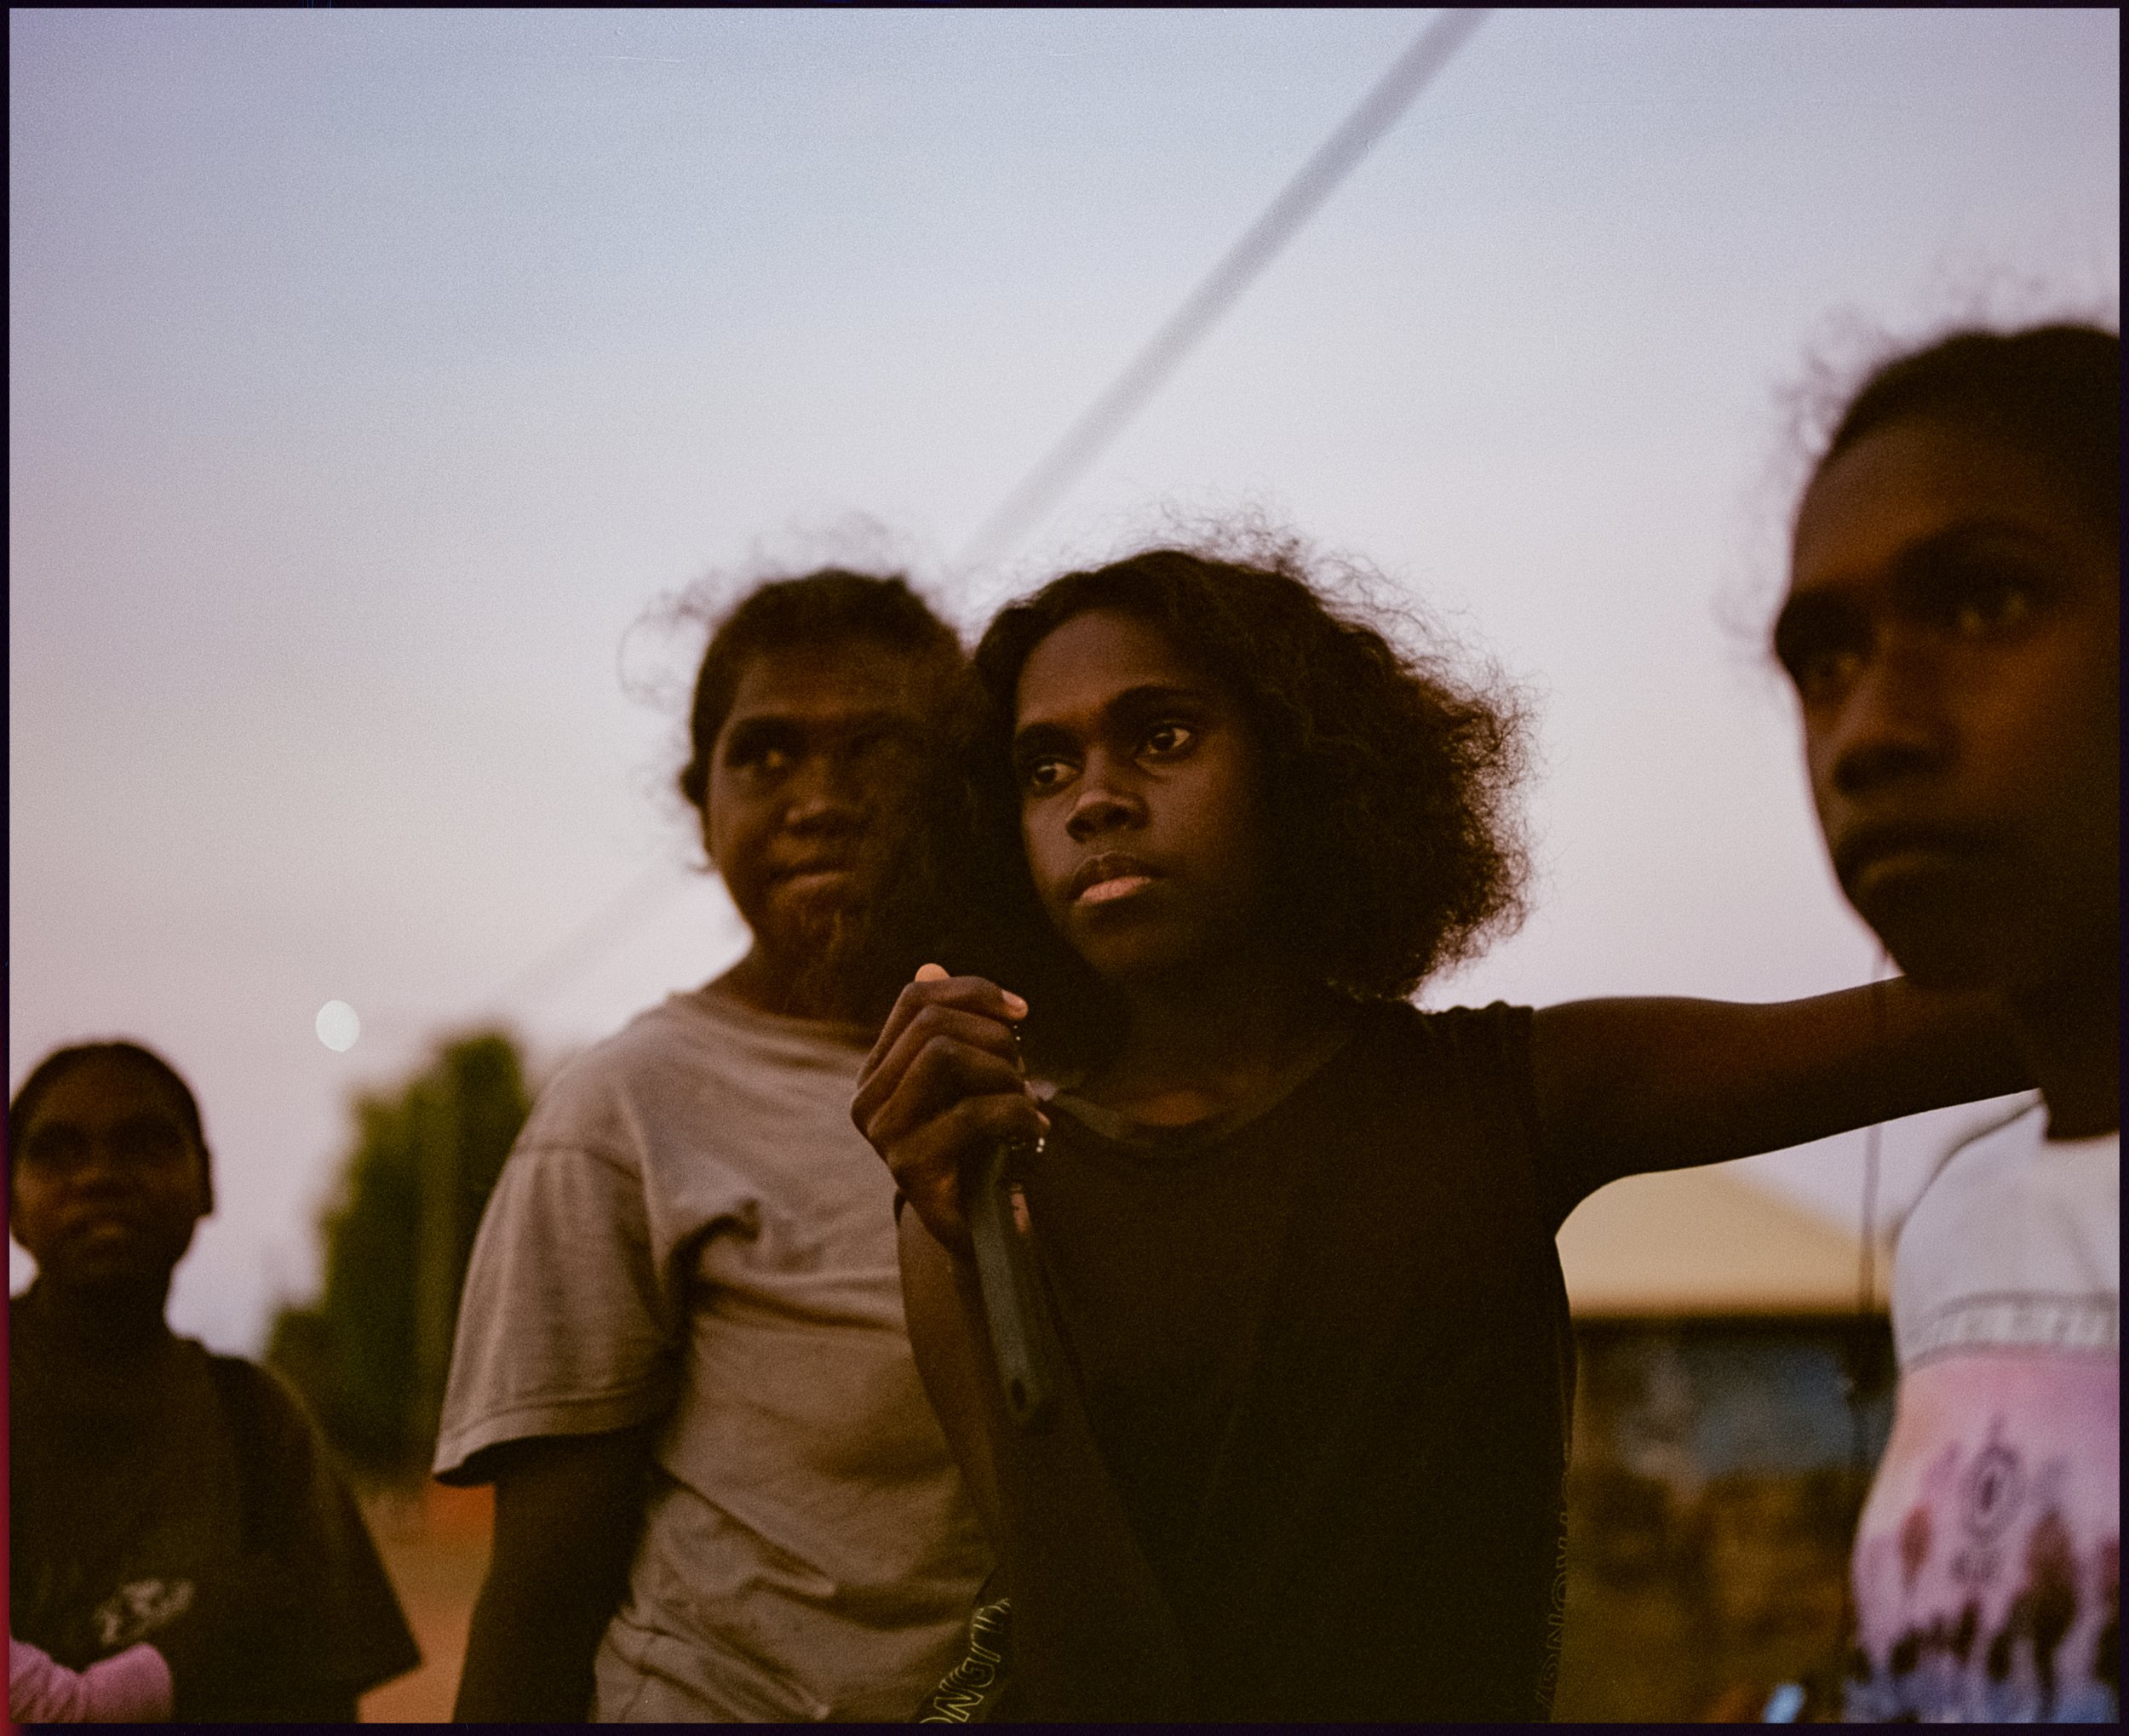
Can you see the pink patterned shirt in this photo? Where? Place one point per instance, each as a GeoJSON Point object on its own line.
{"type": "Point", "coordinates": [1988, 1560]}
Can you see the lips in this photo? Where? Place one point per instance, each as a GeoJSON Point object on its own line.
{"type": "Point", "coordinates": [825, 883]}
{"type": "Point", "coordinates": [820, 867]}
{"type": "Point", "coordinates": [1113, 875]}
{"type": "Point", "coordinates": [1886, 847]}
{"type": "Point", "coordinates": [113, 1224]}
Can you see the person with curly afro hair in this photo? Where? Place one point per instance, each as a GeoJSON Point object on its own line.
{"type": "Point", "coordinates": [1276, 1428]}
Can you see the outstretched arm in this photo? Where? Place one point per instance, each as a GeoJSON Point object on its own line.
{"type": "Point", "coordinates": [1633, 1085]}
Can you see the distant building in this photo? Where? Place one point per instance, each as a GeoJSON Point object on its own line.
{"type": "Point", "coordinates": [1731, 1401]}
{"type": "Point", "coordinates": [1706, 1241]}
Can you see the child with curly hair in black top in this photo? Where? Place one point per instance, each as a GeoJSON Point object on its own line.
{"type": "Point", "coordinates": [1292, 1238]}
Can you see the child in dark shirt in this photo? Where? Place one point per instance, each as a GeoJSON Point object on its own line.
{"type": "Point", "coordinates": [1295, 1237]}
{"type": "Point", "coordinates": [158, 1495]}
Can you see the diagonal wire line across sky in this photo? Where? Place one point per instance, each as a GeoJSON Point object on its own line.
{"type": "Point", "coordinates": [1061, 467]}
{"type": "Point", "coordinates": [1103, 420]}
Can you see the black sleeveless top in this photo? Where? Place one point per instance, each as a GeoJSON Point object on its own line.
{"type": "Point", "coordinates": [1319, 1381]}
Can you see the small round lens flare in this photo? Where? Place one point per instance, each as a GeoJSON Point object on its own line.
{"type": "Point", "coordinates": [337, 1026]}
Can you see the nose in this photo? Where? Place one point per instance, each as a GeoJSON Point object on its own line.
{"type": "Point", "coordinates": [1104, 803]}
{"type": "Point", "coordinates": [1892, 725]}
{"type": "Point", "coordinates": [824, 796]}
{"type": "Point", "coordinates": [103, 1171]}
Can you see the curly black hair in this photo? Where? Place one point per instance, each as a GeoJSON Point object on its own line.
{"type": "Point", "coordinates": [1390, 777]}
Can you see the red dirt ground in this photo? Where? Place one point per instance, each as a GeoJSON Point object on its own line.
{"type": "Point", "coordinates": [434, 1542]}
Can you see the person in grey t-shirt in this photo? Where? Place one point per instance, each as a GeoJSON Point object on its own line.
{"type": "Point", "coordinates": [720, 1492]}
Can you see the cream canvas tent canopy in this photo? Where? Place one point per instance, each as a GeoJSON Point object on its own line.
{"type": "Point", "coordinates": [1704, 1241]}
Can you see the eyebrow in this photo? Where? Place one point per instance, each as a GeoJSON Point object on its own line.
{"type": "Point", "coordinates": [1133, 702]}
{"type": "Point", "coordinates": [1954, 538]}
{"type": "Point", "coordinates": [797, 723]}
{"type": "Point", "coordinates": [879, 714]}
{"type": "Point", "coordinates": [1151, 696]}
{"type": "Point", "coordinates": [1833, 606]}
{"type": "Point", "coordinates": [1963, 534]}
{"type": "Point", "coordinates": [126, 1123]}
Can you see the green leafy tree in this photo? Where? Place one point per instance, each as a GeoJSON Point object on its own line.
{"type": "Point", "coordinates": [372, 1352]}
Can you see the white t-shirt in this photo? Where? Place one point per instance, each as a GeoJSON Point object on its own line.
{"type": "Point", "coordinates": [1988, 1560]}
{"type": "Point", "coordinates": [690, 1228]}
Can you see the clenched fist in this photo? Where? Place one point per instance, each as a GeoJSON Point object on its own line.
{"type": "Point", "coordinates": [941, 1086]}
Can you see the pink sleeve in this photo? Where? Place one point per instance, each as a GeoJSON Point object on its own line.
{"type": "Point", "coordinates": [132, 1688]}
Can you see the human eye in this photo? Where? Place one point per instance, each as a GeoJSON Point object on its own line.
{"type": "Point", "coordinates": [147, 1141]}
{"type": "Point", "coordinates": [1982, 603]}
{"type": "Point", "coordinates": [1822, 644]}
{"type": "Point", "coordinates": [760, 753]}
{"type": "Point", "coordinates": [1977, 583]}
{"type": "Point", "coordinates": [57, 1148]}
{"type": "Point", "coordinates": [1822, 672]}
{"type": "Point", "coordinates": [1169, 739]}
{"type": "Point", "coordinates": [1044, 759]}
{"type": "Point", "coordinates": [1043, 773]}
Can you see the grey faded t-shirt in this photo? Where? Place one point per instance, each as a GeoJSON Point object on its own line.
{"type": "Point", "coordinates": [690, 1228]}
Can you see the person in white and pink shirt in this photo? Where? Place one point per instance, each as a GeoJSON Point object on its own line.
{"type": "Point", "coordinates": [1953, 628]}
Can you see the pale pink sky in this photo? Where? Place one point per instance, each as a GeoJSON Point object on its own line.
{"type": "Point", "coordinates": [373, 371]}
